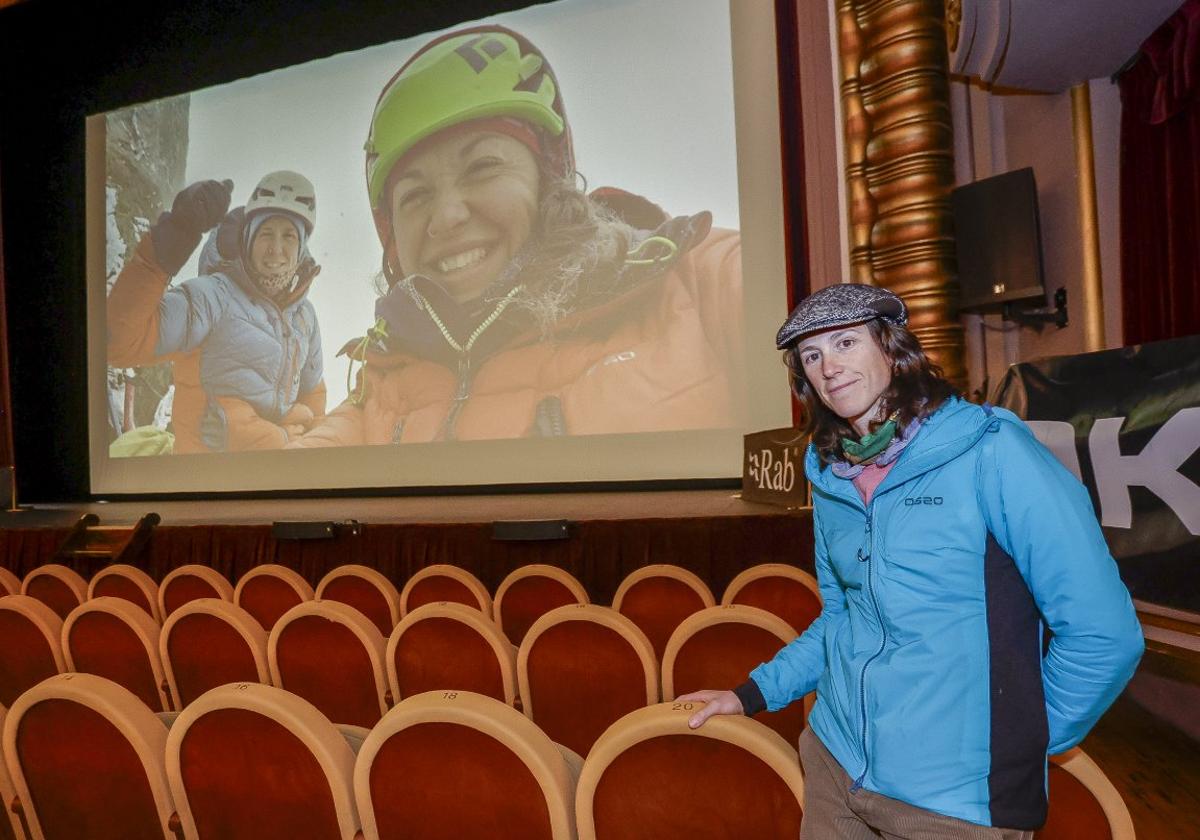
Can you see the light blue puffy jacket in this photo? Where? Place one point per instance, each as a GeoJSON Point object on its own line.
{"type": "Point", "coordinates": [250, 347]}
{"type": "Point", "coordinates": [927, 658]}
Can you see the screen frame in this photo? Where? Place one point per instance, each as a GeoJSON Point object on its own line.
{"type": "Point", "coordinates": [591, 462]}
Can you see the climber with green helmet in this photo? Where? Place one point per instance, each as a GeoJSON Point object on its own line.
{"type": "Point", "coordinates": [515, 304]}
{"type": "Point", "coordinates": [243, 335]}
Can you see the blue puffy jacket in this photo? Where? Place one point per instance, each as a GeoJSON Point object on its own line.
{"type": "Point", "coordinates": [927, 657]}
{"type": "Point", "coordinates": [251, 347]}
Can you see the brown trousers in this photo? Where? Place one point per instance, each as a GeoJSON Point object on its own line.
{"type": "Point", "coordinates": [832, 812]}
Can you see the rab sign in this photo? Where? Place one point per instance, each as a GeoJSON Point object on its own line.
{"type": "Point", "coordinates": [773, 468]}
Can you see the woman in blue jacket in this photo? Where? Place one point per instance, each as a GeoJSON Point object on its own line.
{"type": "Point", "coordinates": [947, 538]}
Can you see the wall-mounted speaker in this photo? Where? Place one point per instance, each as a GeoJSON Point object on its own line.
{"type": "Point", "coordinates": [532, 529]}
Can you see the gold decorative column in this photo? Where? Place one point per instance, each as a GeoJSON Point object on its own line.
{"type": "Point", "coordinates": [900, 163]}
{"type": "Point", "coordinates": [1089, 222]}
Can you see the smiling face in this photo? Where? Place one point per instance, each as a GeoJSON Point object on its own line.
{"type": "Point", "coordinates": [849, 371]}
{"type": "Point", "coordinates": [275, 251]}
{"type": "Point", "coordinates": [462, 208]}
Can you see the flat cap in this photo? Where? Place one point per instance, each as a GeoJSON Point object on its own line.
{"type": "Point", "coordinates": [837, 306]}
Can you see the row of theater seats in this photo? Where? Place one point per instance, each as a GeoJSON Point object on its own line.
{"type": "Point", "coordinates": [578, 669]}
{"type": "Point", "coordinates": [83, 757]}
{"type": "Point", "coordinates": [656, 597]}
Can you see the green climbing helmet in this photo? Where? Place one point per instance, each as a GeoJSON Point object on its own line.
{"type": "Point", "coordinates": [471, 74]}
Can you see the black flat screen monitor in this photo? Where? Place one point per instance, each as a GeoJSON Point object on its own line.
{"type": "Point", "coordinates": [999, 241]}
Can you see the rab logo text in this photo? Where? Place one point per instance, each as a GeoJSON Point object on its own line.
{"type": "Point", "coordinates": [922, 500]}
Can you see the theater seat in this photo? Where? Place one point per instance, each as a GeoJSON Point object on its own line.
{"type": "Point", "coordinates": [365, 589]}
{"type": "Point", "coordinates": [10, 584]}
{"type": "Point", "coordinates": [580, 668]}
{"type": "Point", "coordinates": [333, 656]}
{"type": "Point", "coordinates": [1084, 805]}
{"type": "Point", "coordinates": [441, 582]}
{"type": "Point", "coordinates": [32, 645]}
{"type": "Point", "coordinates": [447, 764]}
{"type": "Point", "coordinates": [121, 580]}
{"type": "Point", "coordinates": [187, 583]}
{"type": "Point", "coordinates": [649, 775]}
{"type": "Point", "coordinates": [719, 647]}
{"type": "Point", "coordinates": [270, 590]}
{"type": "Point", "coordinates": [59, 588]}
{"type": "Point", "coordinates": [451, 646]}
{"type": "Point", "coordinates": [781, 590]}
{"type": "Point", "coordinates": [657, 597]}
{"type": "Point", "coordinates": [114, 639]}
{"type": "Point", "coordinates": [86, 758]}
{"type": "Point", "coordinates": [209, 642]}
{"type": "Point", "coordinates": [530, 592]}
{"type": "Point", "coordinates": [251, 762]}
{"type": "Point", "coordinates": [10, 823]}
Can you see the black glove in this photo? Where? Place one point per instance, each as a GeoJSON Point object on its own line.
{"type": "Point", "coordinates": [196, 208]}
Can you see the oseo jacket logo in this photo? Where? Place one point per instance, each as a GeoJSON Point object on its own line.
{"type": "Point", "coordinates": [922, 500]}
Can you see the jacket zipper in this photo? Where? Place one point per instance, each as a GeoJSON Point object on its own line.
{"type": "Point", "coordinates": [862, 677]}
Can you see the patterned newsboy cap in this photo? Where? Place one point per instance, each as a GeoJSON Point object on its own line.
{"type": "Point", "coordinates": [838, 305]}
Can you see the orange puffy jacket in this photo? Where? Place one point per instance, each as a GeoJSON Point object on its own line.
{"type": "Point", "coordinates": [664, 355]}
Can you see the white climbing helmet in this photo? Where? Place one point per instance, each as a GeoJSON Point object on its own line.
{"type": "Point", "coordinates": [285, 190]}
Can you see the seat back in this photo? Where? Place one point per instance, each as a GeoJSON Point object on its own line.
{"type": "Point", "coordinates": [780, 589]}
{"type": "Point", "coordinates": [458, 764]}
{"type": "Point", "coordinates": [10, 823]}
{"type": "Point", "coordinates": [86, 759]}
{"type": "Point", "coordinates": [440, 582]}
{"type": "Point", "coordinates": [10, 584]}
{"type": "Point", "coordinates": [332, 656]}
{"type": "Point", "coordinates": [251, 762]}
{"type": "Point", "coordinates": [580, 668]}
{"type": "Point", "coordinates": [530, 592]}
{"type": "Point", "coordinates": [1084, 805]}
{"type": "Point", "coordinates": [658, 597]}
{"type": "Point", "coordinates": [209, 642]}
{"type": "Point", "coordinates": [270, 590]}
{"type": "Point", "coordinates": [56, 586]}
{"type": "Point", "coordinates": [120, 580]}
{"type": "Point", "coordinates": [451, 646]}
{"type": "Point", "coordinates": [365, 589]}
{"type": "Point", "coordinates": [114, 639]}
{"type": "Point", "coordinates": [649, 775]}
{"type": "Point", "coordinates": [32, 645]}
{"type": "Point", "coordinates": [719, 647]}
{"type": "Point", "coordinates": [187, 583]}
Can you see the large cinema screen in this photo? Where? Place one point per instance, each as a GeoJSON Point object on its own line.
{"type": "Point", "coordinates": [544, 247]}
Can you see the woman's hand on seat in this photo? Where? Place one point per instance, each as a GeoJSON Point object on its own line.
{"type": "Point", "coordinates": [715, 703]}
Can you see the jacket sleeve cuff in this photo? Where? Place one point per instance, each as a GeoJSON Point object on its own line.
{"type": "Point", "coordinates": [752, 698]}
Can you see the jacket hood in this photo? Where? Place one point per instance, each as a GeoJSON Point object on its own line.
{"type": "Point", "coordinates": [221, 254]}
{"type": "Point", "coordinates": [950, 431]}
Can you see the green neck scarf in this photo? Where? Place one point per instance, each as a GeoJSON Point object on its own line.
{"type": "Point", "coordinates": [866, 448]}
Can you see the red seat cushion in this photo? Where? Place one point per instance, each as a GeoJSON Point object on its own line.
{"type": "Point", "coordinates": [441, 780]}
{"type": "Point", "coordinates": [248, 778]}
{"type": "Point", "coordinates": [26, 657]}
{"type": "Point", "coordinates": [84, 777]}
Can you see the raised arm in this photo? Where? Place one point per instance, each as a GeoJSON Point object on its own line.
{"type": "Point", "coordinates": [139, 303]}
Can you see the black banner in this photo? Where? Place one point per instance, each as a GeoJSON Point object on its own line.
{"type": "Point", "coordinates": [1127, 422]}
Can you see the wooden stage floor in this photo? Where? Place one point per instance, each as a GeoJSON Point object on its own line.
{"type": "Point", "coordinates": [668, 504]}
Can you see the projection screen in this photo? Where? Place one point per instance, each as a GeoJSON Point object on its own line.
{"type": "Point", "coordinates": [523, 333]}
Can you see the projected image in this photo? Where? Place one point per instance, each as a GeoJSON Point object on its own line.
{"type": "Point", "coordinates": [529, 254]}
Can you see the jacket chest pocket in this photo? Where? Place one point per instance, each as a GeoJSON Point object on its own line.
{"type": "Point", "coordinates": [843, 546]}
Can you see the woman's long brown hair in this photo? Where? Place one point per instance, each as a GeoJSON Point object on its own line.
{"type": "Point", "coordinates": [918, 388]}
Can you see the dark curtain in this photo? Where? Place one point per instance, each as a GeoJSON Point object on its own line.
{"type": "Point", "coordinates": [600, 552]}
{"type": "Point", "coordinates": [1160, 183]}
{"type": "Point", "coordinates": [6, 449]}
